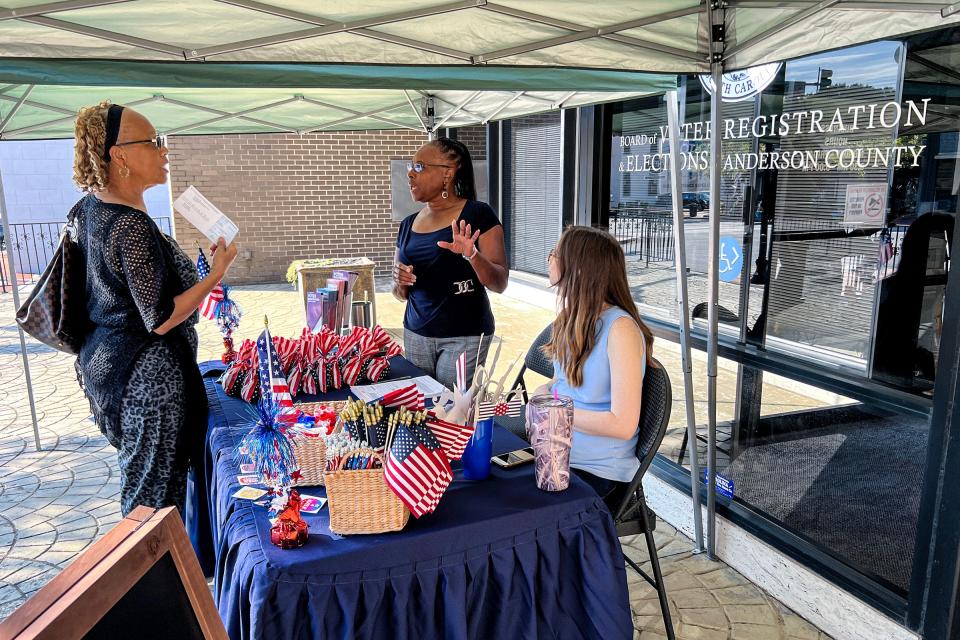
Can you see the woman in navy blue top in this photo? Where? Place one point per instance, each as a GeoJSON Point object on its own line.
{"type": "Point", "coordinates": [448, 255]}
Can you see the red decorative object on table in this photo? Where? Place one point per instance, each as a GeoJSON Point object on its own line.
{"type": "Point", "coordinates": [290, 531]}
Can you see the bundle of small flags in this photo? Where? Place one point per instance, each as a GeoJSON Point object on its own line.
{"type": "Point", "coordinates": [416, 467]}
{"type": "Point", "coordinates": [316, 362]}
{"type": "Point", "coordinates": [219, 306]}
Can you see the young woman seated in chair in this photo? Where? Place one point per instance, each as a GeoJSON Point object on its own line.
{"type": "Point", "coordinates": [600, 349]}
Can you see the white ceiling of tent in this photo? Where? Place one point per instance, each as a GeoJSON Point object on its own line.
{"type": "Point", "coordinates": [653, 35]}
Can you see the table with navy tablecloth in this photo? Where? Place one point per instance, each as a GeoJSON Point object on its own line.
{"type": "Point", "coordinates": [498, 558]}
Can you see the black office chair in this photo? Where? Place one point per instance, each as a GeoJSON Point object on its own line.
{"type": "Point", "coordinates": [633, 516]}
{"type": "Point", "coordinates": [538, 363]}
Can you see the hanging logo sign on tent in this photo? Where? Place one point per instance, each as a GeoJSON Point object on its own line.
{"type": "Point", "coordinates": [743, 84]}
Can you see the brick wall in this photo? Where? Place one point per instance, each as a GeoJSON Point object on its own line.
{"type": "Point", "coordinates": [475, 139]}
{"type": "Point", "coordinates": [320, 195]}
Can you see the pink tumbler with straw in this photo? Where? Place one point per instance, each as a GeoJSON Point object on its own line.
{"type": "Point", "coordinates": [550, 431]}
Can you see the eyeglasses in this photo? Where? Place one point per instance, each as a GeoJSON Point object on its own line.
{"type": "Point", "coordinates": [418, 167]}
{"type": "Point", "coordinates": [158, 141]}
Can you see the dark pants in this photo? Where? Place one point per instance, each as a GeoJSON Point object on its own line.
{"type": "Point", "coordinates": [611, 491]}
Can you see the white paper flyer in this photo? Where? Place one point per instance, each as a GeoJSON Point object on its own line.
{"type": "Point", "coordinates": [202, 214]}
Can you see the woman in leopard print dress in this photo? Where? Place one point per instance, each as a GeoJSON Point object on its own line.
{"type": "Point", "coordinates": [138, 361]}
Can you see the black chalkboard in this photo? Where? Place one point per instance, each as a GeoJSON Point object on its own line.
{"type": "Point", "coordinates": [156, 608]}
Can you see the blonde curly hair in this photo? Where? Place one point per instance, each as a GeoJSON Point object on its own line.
{"type": "Point", "coordinates": [90, 171]}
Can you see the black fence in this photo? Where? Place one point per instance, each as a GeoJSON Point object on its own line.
{"type": "Point", "coordinates": [644, 234]}
{"type": "Point", "coordinates": [32, 245]}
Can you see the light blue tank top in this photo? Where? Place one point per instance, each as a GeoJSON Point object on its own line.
{"type": "Point", "coordinates": [603, 456]}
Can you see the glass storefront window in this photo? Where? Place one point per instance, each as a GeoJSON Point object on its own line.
{"type": "Point", "coordinates": [839, 191]}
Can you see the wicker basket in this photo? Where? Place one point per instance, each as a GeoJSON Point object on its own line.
{"type": "Point", "coordinates": [361, 502]}
{"type": "Point", "coordinates": [311, 453]}
{"type": "Point", "coordinates": [311, 456]}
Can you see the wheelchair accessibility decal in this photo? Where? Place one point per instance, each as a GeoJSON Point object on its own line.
{"type": "Point", "coordinates": [731, 258]}
{"type": "Point", "coordinates": [724, 485]}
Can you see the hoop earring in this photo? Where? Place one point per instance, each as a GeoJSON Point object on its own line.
{"type": "Point", "coordinates": [124, 171]}
{"type": "Point", "coordinates": [444, 194]}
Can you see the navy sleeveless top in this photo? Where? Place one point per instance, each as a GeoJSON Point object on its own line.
{"type": "Point", "coordinates": [448, 299]}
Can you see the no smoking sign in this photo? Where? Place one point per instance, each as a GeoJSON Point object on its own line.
{"type": "Point", "coordinates": [865, 204]}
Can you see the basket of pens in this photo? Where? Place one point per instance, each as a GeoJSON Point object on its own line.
{"type": "Point", "coordinates": [358, 498]}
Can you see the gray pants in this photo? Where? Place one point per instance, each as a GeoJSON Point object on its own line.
{"type": "Point", "coordinates": [438, 356]}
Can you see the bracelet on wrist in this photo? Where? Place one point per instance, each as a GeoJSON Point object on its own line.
{"type": "Point", "coordinates": [473, 255]}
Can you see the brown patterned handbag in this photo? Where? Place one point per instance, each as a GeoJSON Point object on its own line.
{"type": "Point", "coordinates": [55, 312]}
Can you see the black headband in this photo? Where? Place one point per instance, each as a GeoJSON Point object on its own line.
{"type": "Point", "coordinates": [113, 129]}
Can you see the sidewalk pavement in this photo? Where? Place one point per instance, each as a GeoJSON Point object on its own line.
{"type": "Point", "coordinates": [56, 502]}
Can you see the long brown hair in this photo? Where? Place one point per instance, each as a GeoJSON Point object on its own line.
{"type": "Point", "coordinates": [592, 272]}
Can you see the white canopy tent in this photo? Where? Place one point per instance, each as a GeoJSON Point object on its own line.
{"type": "Point", "coordinates": [216, 66]}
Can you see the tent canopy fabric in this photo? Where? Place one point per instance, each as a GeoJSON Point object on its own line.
{"type": "Point", "coordinates": [246, 66]}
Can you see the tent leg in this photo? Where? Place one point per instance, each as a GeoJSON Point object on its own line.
{"type": "Point", "coordinates": [713, 275]}
{"type": "Point", "coordinates": [680, 262]}
{"type": "Point", "coordinates": [14, 283]}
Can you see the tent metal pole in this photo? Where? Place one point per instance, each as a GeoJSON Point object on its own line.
{"type": "Point", "coordinates": [337, 107]}
{"type": "Point", "coordinates": [53, 7]}
{"type": "Point", "coordinates": [16, 108]}
{"type": "Point", "coordinates": [582, 32]}
{"type": "Point", "coordinates": [328, 29]}
{"type": "Point", "coordinates": [506, 103]}
{"type": "Point", "coordinates": [197, 125]}
{"type": "Point", "coordinates": [713, 276]}
{"type": "Point", "coordinates": [200, 107]}
{"type": "Point", "coordinates": [457, 110]}
{"type": "Point", "coordinates": [680, 263]}
{"type": "Point", "coordinates": [71, 115]}
{"type": "Point", "coordinates": [416, 112]}
{"type": "Point", "coordinates": [800, 16]}
{"type": "Point", "coordinates": [14, 282]}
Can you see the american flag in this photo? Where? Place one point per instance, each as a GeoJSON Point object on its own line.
{"type": "Point", "coordinates": [452, 437]}
{"type": "Point", "coordinates": [417, 470]}
{"type": "Point", "coordinates": [209, 307]}
{"type": "Point", "coordinates": [409, 397]}
{"type": "Point", "coordinates": [273, 385]}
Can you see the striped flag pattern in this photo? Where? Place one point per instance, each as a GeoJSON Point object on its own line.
{"type": "Point", "coordinates": [273, 384]}
{"type": "Point", "coordinates": [416, 469]}
{"type": "Point", "coordinates": [209, 307]}
{"type": "Point", "coordinates": [452, 437]}
{"type": "Point", "coordinates": [409, 397]}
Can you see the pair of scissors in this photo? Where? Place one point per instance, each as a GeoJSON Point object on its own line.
{"type": "Point", "coordinates": [484, 384]}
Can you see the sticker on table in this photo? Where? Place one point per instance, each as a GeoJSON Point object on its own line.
{"type": "Point", "coordinates": [249, 479]}
{"type": "Point", "coordinates": [248, 467]}
{"type": "Point", "coordinates": [724, 485]}
{"type": "Point", "coordinates": [311, 504]}
{"type": "Point", "coordinates": [730, 258]}
{"type": "Point", "coordinates": [249, 493]}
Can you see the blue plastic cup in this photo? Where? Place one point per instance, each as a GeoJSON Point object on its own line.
{"type": "Point", "coordinates": [476, 456]}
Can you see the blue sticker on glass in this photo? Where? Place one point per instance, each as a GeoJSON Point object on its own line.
{"type": "Point", "coordinates": [731, 258]}
{"type": "Point", "coordinates": [724, 485]}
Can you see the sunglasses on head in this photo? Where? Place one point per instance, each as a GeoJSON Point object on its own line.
{"type": "Point", "coordinates": [157, 141]}
{"type": "Point", "coordinates": [418, 167]}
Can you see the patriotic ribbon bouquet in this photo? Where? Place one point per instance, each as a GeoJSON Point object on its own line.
{"type": "Point", "coordinates": [315, 362]}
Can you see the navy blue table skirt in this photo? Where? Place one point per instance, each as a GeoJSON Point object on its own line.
{"type": "Point", "coordinates": [499, 558]}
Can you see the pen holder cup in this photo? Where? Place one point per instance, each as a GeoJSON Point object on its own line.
{"type": "Point", "coordinates": [476, 455]}
{"type": "Point", "coordinates": [550, 430]}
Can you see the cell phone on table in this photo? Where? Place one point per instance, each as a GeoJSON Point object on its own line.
{"type": "Point", "coordinates": [513, 458]}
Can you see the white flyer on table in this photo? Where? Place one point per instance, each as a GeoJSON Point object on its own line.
{"type": "Point", "coordinates": [370, 392]}
{"type": "Point", "coordinates": [202, 214]}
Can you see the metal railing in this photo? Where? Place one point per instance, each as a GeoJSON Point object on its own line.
{"type": "Point", "coordinates": [33, 245]}
{"type": "Point", "coordinates": [644, 234]}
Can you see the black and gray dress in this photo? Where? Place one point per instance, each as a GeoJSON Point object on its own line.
{"type": "Point", "coordinates": [145, 390]}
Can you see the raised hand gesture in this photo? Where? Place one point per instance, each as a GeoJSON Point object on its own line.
{"type": "Point", "coordinates": [464, 239]}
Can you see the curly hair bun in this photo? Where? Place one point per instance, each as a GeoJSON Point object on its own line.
{"type": "Point", "coordinates": [89, 169]}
